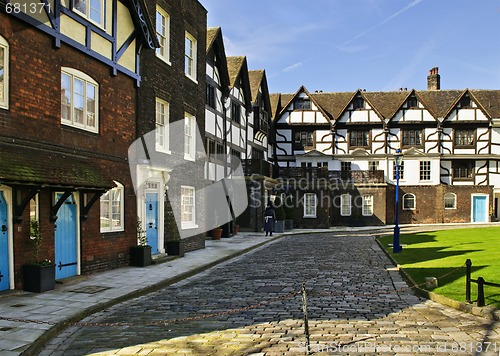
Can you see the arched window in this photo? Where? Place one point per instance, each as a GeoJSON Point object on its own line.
{"type": "Point", "coordinates": [409, 201]}
{"type": "Point", "coordinates": [79, 100]}
{"type": "Point", "coordinates": [112, 209]}
{"type": "Point", "coordinates": [450, 201]}
{"type": "Point", "coordinates": [4, 73]}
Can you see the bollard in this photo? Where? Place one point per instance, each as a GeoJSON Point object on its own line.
{"type": "Point", "coordinates": [480, 292]}
{"type": "Point", "coordinates": [306, 320]}
{"type": "Point", "coordinates": [468, 264]}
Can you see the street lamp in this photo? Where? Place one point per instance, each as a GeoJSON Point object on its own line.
{"type": "Point", "coordinates": [398, 159]}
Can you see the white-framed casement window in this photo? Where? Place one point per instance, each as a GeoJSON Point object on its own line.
{"type": "Point", "coordinates": [190, 56]}
{"type": "Point", "coordinates": [345, 205]}
{"type": "Point", "coordinates": [162, 125]}
{"type": "Point", "coordinates": [450, 201]}
{"type": "Point", "coordinates": [409, 201]}
{"type": "Point", "coordinates": [4, 73]}
{"type": "Point", "coordinates": [93, 10]}
{"type": "Point", "coordinates": [34, 208]}
{"type": "Point", "coordinates": [425, 170]}
{"type": "Point", "coordinates": [367, 205]}
{"type": "Point", "coordinates": [79, 100]}
{"type": "Point", "coordinates": [163, 34]}
{"type": "Point", "coordinates": [310, 202]}
{"type": "Point", "coordinates": [188, 200]}
{"type": "Point", "coordinates": [189, 137]}
{"type": "Point", "coordinates": [401, 170]}
{"type": "Point", "coordinates": [112, 209]}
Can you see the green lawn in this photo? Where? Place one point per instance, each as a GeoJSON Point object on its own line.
{"type": "Point", "coordinates": [439, 253]}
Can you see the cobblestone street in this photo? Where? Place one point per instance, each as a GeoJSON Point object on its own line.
{"type": "Point", "coordinates": [357, 304]}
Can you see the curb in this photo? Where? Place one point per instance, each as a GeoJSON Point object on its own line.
{"type": "Point", "coordinates": [491, 313]}
{"type": "Point", "coordinates": [36, 346]}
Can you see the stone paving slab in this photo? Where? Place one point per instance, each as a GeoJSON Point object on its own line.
{"type": "Point", "coordinates": [353, 309]}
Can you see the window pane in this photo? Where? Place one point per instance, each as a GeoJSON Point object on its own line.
{"type": "Point", "coordinates": [105, 224]}
{"type": "Point", "coordinates": [81, 5]}
{"type": "Point", "coordinates": [95, 10]}
{"type": "Point", "coordinates": [78, 100]}
{"type": "Point", "coordinates": [2, 74]}
{"type": "Point", "coordinates": [161, 32]}
{"type": "Point", "coordinates": [91, 105]}
{"type": "Point", "coordinates": [66, 97]}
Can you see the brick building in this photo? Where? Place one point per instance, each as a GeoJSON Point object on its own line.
{"type": "Point", "coordinates": [68, 79]}
{"type": "Point", "coordinates": [172, 95]}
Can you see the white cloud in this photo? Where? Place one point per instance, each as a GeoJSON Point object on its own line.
{"type": "Point", "coordinates": [292, 67]}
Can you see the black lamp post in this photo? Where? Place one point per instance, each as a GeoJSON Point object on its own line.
{"type": "Point", "coordinates": [398, 159]}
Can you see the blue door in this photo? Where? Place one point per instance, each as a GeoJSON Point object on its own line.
{"type": "Point", "coordinates": [152, 221]}
{"type": "Point", "coordinates": [4, 244]}
{"type": "Point", "coordinates": [479, 209]}
{"type": "Point", "coordinates": [66, 239]}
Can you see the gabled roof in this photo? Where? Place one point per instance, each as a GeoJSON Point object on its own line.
{"type": "Point", "coordinates": [386, 104]}
{"type": "Point", "coordinates": [275, 100]}
{"type": "Point", "coordinates": [286, 99]}
{"type": "Point", "coordinates": [489, 101]}
{"type": "Point", "coordinates": [238, 70]}
{"type": "Point", "coordinates": [215, 48]}
{"type": "Point", "coordinates": [439, 102]}
{"type": "Point", "coordinates": [258, 80]}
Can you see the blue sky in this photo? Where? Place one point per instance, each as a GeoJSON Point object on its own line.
{"type": "Point", "coordinates": [343, 45]}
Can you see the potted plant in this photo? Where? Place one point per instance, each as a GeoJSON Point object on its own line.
{"type": "Point", "coordinates": [174, 245]}
{"type": "Point", "coordinates": [140, 255]}
{"type": "Point", "coordinates": [236, 228]}
{"type": "Point", "coordinates": [279, 209]}
{"type": "Point", "coordinates": [40, 275]}
{"type": "Point", "coordinates": [216, 233]}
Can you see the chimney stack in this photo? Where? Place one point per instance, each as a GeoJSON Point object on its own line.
{"type": "Point", "coordinates": [434, 79]}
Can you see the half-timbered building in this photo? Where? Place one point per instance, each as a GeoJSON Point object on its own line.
{"type": "Point", "coordinates": [69, 71]}
{"type": "Point", "coordinates": [345, 143]}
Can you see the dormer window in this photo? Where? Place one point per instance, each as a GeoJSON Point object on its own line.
{"type": "Point", "coordinates": [302, 104]}
{"type": "Point", "coordinates": [412, 103]}
{"type": "Point", "coordinates": [465, 101]}
{"type": "Point", "coordinates": [90, 9]}
{"type": "Point", "coordinates": [358, 103]}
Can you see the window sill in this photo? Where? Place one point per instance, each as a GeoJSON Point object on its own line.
{"type": "Point", "coordinates": [67, 124]}
{"type": "Point", "coordinates": [163, 150]}
{"type": "Point", "coordinates": [164, 60]}
{"type": "Point", "coordinates": [187, 226]}
{"type": "Point", "coordinates": [189, 158]}
{"type": "Point", "coordinates": [191, 78]}
{"type": "Point", "coordinates": [310, 217]}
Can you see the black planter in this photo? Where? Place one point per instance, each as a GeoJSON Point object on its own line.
{"type": "Point", "coordinates": [288, 224]}
{"type": "Point", "coordinates": [279, 226]}
{"type": "Point", "coordinates": [175, 248]}
{"type": "Point", "coordinates": [39, 279]}
{"type": "Point", "coordinates": [140, 256]}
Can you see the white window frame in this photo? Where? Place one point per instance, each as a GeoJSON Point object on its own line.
{"type": "Point", "coordinates": [163, 36]}
{"type": "Point", "coordinates": [345, 205]}
{"type": "Point", "coordinates": [86, 14]}
{"type": "Point", "coordinates": [162, 132]}
{"type": "Point", "coordinates": [449, 196]}
{"type": "Point", "coordinates": [367, 209]}
{"type": "Point", "coordinates": [111, 201]}
{"type": "Point", "coordinates": [407, 196]}
{"type": "Point", "coordinates": [191, 223]}
{"type": "Point", "coordinates": [73, 75]}
{"type": "Point", "coordinates": [189, 137]}
{"type": "Point", "coordinates": [424, 170]}
{"type": "Point", "coordinates": [190, 55]}
{"type": "Point", "coordinates": [4, 103]}
{"type": "Point", "coordinates": [310, 205]}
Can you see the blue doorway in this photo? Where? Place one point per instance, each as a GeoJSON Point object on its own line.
{"type": "Point", "coordinates": [152, 221]}
{"type": "Point", "coordinates": [479, 208]}
{"type": "Point", "coordinates": [66, 255]}
{"type": "Point", "coordinates": [4, 244]}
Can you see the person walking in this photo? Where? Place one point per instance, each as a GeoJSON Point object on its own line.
{"type": "Point", "coordinates": [269, 219]}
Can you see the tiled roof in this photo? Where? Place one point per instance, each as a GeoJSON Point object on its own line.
{"type": "Point", "coordinates": [255, 77]}
{"type": "Point", "coordinates": [438, 102]}
{"type": "Point", "coordinates": [234, 65]}
{"type": "Point", "coordinates": [333, 103]}
{"type": "Point", "coordinates": [211, 36]}
{"type": "Point", "coordinates": [275, 104]}
{"type": "Point", "coordinates": [19, 164]}
{"type": "Point", "coordinates": [489, 100]}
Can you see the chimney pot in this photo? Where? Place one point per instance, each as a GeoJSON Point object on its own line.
{"type": "Point", "coordinates": [434, 79]}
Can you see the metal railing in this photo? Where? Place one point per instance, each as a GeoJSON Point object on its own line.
{"type": "Point", "coordinates": [480, 285]}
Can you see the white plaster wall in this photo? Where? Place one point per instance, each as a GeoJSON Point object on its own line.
{"type": "Point", "coordinates": [309, 116]}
